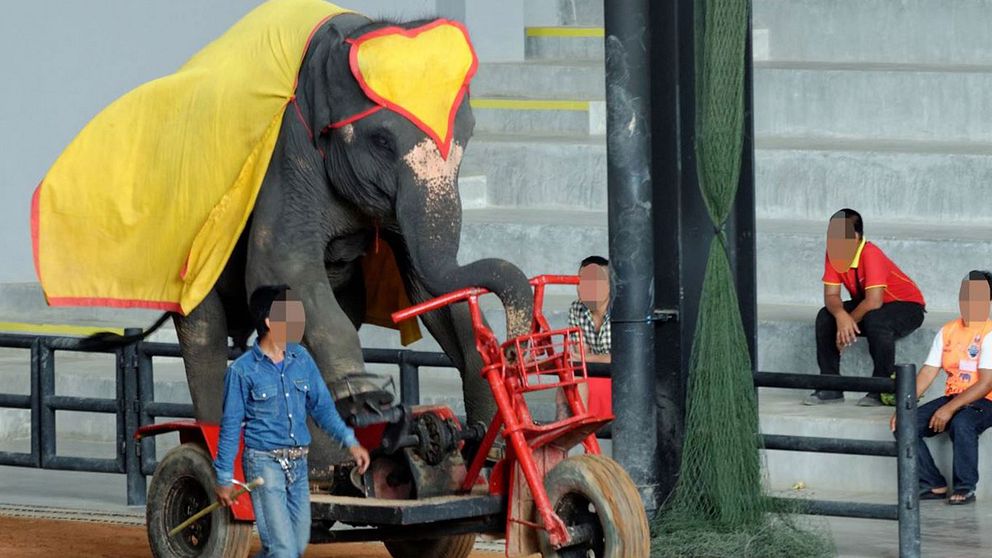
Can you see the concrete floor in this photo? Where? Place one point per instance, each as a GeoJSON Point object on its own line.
{"type": "Point", "coordinates": [947, 531]}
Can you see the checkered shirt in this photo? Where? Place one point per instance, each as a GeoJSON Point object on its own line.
{"type": "Point", "coordinates": [597, 342]}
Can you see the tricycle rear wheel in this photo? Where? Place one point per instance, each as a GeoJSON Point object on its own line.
{"type": "Point", "coordinates": [594, 492]}
{"type": "Point", "coordinates": [182, 485]}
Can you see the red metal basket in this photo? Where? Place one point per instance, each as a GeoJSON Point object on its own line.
{"type": "Point", "coordinates": [535, 358]}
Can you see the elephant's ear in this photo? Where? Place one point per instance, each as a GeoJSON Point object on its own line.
{"type": "Point", "coordinates": [385, 293]}
{"type": "Point", "coordinates": [336, 95]}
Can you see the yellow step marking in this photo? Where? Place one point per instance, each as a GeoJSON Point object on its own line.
{"type": "Point", "coordinates": [56, 329]}
{"type": "Point", "coordinates": [529, 104]}
{"type": "Point", "coordinates": [592, 32]}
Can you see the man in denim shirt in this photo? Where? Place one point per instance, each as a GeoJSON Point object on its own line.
{"type": "Point", "coordinates": [270, 390]}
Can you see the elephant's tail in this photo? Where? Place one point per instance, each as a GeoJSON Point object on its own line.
{"type": "Point", "coordinates": [109, 340]}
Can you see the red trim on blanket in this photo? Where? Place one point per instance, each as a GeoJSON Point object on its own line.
{"type": "Point", "coordinates": [306, 47]}
{"type": "Point", "coordinates": [34, 230]}
{"type": "Point", "coordinates": [443, 144]}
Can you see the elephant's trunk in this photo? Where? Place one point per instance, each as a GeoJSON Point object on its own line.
{"type": "Point", "coordinates": [429, 213]}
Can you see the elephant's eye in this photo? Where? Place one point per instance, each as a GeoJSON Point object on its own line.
{"type": "Point", "coordinates": [382, 141]}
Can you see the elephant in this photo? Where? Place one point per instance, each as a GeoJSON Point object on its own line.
{"type": "Point", "coordinates": [317, 215]}
{"type": "Point", "coordinates": [330, 196]}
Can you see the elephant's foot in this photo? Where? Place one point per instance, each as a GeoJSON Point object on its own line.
{"type": "Point", "coordinates": [361, 393]}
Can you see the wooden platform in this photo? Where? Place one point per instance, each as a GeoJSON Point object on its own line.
{"type": "Point", "coordinates": [376, 511]}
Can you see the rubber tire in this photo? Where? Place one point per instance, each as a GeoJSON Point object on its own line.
{"type": "Point", "coordinates": [227, 538]}
{"type": "Point", "coordinates": [608, 487]}
{"type": "Point", "coordinates": [455, 546]}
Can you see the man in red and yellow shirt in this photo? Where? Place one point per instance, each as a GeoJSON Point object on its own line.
{"type": "Point", "coordinates": [963, 349]}
{"type": "Point", "coordinates": [885, 304]}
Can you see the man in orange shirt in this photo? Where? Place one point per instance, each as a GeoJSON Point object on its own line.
{"type": "Point", "coordinates": [885, 304]}
{"type": "Point", "coordinates": [963, 348]}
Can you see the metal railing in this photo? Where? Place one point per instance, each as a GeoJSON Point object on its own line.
{"type": "Point", "coordinates": [134, 405]}
{"type": "Point", "coordinates": [907, 509]}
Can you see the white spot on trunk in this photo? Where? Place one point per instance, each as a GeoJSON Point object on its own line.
{"type": "Point", "coordinates": [433, 172]}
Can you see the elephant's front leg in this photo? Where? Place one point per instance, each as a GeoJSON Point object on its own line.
{"type": "Point", "coordinates": [329, 334]}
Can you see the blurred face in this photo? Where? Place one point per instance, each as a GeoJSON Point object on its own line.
{"type": "Point", "coordinates": [286, 322]}
{"type": "Point", "coordinates": [594, 285]}
{"type": "Point", "coordinates": [973, 300]}
{"type": "Point", "coordinates": [842, 244]}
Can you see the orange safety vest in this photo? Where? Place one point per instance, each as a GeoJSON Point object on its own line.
{"type": "Point", "coordinates": [962, 349]}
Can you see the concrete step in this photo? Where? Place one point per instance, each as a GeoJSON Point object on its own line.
{"type": "Point", "coordinates": [781, 413]}
{"type": "Point", "coordinates": [541, 171]}
{"type": "Point", "coordinates": [541, 80]}
{"type": "Point", "coordinates": [920, 31]}
{"type": "Point", "coordinates": [540, 116]}
{"type": "Point", "coordinates": [787, 341]}
{"type": "Point", "coordinates": [892, 180]}
{"type": "Point", "coordinates": [935, 256]}
{"type": "Point", "coordinates": [472, 190]}
{"type": "Point", "coordinates": [796, 178]}
{"type": "Point", "coordinates": [542, 241]}
{"type": "Point", "coordinates": [563, 12]}
{"type": "Point", "coordinates": [872, 101]}
{"type": "Point", "coordinates": [564, 43]}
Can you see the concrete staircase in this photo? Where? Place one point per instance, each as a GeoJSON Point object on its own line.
{"type": "Point", "coordinates": [876, 106]}
{"type": "Point", "coordinates": [881, 106]}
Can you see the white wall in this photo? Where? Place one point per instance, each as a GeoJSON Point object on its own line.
{"type": "Point", "coordinates": [61, 62]}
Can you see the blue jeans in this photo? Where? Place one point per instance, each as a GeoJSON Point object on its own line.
{"type": "Point", "coordinates": [282, 504]}
{"type": "Point", "coordinates": [964, 428]}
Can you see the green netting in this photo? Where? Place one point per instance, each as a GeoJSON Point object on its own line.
{"type": "Point", "coordinates": [719, 508]}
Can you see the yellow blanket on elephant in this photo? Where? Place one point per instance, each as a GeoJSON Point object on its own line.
{"type": "Point", "coordinates": [144, 207]}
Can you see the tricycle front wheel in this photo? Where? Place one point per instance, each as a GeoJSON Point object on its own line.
{"type": "Point", "coordinates": [596, 497]}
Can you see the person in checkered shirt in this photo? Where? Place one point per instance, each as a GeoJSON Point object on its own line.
{"type": "Point", "coordinates": [591, 311]}
{"type": "Point", "coordinates": [591, 314]}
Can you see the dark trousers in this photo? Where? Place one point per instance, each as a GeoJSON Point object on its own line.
{"type": "Point", "coordinates": [964, 429]}
{"type": "Point", "coordinates": [880, 327]}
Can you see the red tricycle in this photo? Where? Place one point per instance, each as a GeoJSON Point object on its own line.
{"type": "Point", "coordinates": [419, 496]}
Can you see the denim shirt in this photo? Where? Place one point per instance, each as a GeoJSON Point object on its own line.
{"type": "Point", "coordinates": [272, 402]}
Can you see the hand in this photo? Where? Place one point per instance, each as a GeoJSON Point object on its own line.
{"type": "Point", "coordinates": [361, 456]}
{"type": "Point", "coordinates": [939, 420]}
{"type": "Point", "coordinates": [225, 494]}
{"type": "Point", "coordinates": [847, 330]}
{"type": "Point", "coordinates": [892, 423]}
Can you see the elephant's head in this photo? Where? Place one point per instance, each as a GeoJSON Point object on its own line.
{"type": "Point", "coordinates": [392, 117]}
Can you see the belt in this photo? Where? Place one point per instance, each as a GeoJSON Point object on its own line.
{"type": "Point", "coordinates": [289, 453]}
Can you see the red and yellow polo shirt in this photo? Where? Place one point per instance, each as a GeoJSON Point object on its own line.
{"type": "Point", "coordinates": [872, 269]}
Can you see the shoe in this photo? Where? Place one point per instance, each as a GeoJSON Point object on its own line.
{"type": "Point", "coordinates": [870, 400]}
{"type": "Point", "coordinates": [823, 398]}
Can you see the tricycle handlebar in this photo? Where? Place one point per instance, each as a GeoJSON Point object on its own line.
{"type": "Point", "coordinates": [436, 303]}
{"type": "Point", "coordinates": [538, 282]}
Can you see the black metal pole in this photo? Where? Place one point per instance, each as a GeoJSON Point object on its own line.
{"type": "Point", "coordinates": [628, 148]}
{"type": "Point", "coordinates": [46, 384]}
{"type": "Point", "coordinates": [36, 407]}
{"type": "Point", "coordinates": [130, 369]}
{"type": "Point", "coordinates": [409, 381]}
{"type": "Point", "coordinates": [146, 395]}
{"type": "Point", "coordinates": [906, 440]}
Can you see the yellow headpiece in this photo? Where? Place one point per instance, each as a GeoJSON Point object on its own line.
{"type": "Point", "coordinates": [420, 73]}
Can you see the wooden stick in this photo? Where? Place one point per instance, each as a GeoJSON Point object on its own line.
{"type": "Point", "coordinates": [248, 488]}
